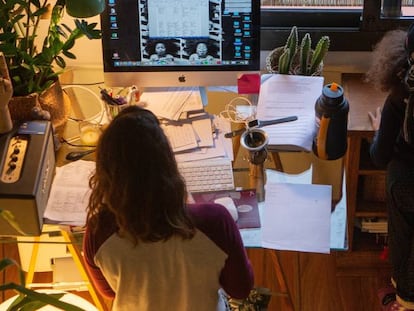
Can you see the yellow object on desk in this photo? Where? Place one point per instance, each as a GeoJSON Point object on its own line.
{"type": "Point", "coordinates": [89, 133]}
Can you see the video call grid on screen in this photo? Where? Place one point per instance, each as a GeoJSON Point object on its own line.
{"type": "Point", "coordinates": [224, 27]}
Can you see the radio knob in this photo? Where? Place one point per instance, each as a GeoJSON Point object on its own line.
{"type": "Point", "coordinates": [16, 151]}
{"type": "Point", "coordinates": [12, 165]}
{"type": "Point", "coordinates": [14, 158]}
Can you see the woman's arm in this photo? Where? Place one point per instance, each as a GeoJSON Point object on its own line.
{"type": "Point", "coordinates": [382, 147]}
{"type": "Point", "coordinates": [89, 250]}
{"type": "Point", "coordinates": [236, 277]}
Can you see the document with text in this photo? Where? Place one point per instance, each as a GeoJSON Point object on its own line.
{"type": "Point", "coordinates": [69, 195]}
{"type": "Point", "coordinates": [289, 95]}
{"type": "Point", "coordinates": [297, 217]}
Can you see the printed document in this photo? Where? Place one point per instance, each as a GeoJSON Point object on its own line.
{"type": "Point", "coordinates": [172, 103]}
{"type": "Point", "coordinates": [69, 195]}
{"type": "Point", "coordinates": [297, 217]}
{"type": "Point", "coordinates": [289, 95]}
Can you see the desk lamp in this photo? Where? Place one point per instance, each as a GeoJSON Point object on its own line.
{"type": "Point", "coordinates": [84, 8]}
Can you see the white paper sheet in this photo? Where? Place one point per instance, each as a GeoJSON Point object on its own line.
{"type": "Point", "coordinates": [297, 217]}
{"type": "Point", "coordinates": [170, 103]}
{"type": "Point", "coordinates": [70, 193]}
{"type": "Point", "coordinates": [289, 95]}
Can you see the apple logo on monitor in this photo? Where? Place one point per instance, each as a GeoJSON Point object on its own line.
{"type": "Point", "coordinates": [181, 79]}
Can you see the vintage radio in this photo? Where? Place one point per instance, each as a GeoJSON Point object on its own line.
{"type": "Point", "coordinates": [27, 166]}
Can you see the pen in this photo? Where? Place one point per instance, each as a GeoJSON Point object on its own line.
{"type": "Point", "coordinates": [258, 123]}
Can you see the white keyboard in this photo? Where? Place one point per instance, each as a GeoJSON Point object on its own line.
{"type": "Point", "coordinates": [207, 175]}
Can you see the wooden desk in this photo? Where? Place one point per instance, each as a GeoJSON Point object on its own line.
{"type": "Point", "coordinates": [285, 272]}
{"type": "Point", "coordinates": [297, 269]}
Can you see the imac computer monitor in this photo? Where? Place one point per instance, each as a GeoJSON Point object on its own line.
{"type": "Point", "coordinates": [173, 43]}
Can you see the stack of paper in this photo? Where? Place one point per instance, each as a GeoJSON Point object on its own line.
{"type": "Point", "coordinates": [173, 103]}
{"type": "Point", "coordinates": [189, 134]}
{"type": "Point", "coordinates": [69, 195]}
{"type": "Point", "coordinates": [289, 95]}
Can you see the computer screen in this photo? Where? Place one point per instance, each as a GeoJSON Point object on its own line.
{"type": "Point", "coordinates": [179, 42]}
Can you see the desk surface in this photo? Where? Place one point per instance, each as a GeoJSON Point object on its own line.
{"type": "Point", "coordinates": [218, 101]}
{"type": "Point", "coordinates": [362, 98]}
{"type": "Point", "coordinates": [252, 237]}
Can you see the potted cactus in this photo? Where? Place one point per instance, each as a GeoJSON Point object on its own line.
{"type": "Point", "coordinates": [296, 59]}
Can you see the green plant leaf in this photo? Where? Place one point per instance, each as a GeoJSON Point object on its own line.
{"type": "Point", "coordinates": [31, 300]}
{"type": "Point", "coordinates": [69, 54]}
{"type": "Point", "coordinates": [11, 220]}
{"type": "Point", "coordinates": [321, 49]}
{"type": "Point", "coordinates": [30, 65]}
{"type": "Point", "coordinates": [305, 49]}
{"type": "Point", "coordinates": [292, 44]}
{"type": "Point", "coordinates": [60, 61]}
{"type": "Point", "coordinates": [40, 11]}
{"type": "Point", "coordinates": [36, 3]}
{"type": "Point", "coordinates": [284, 62]}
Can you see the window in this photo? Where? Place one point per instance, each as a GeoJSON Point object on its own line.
{"type": "Point", "coordinates": [352, 25]}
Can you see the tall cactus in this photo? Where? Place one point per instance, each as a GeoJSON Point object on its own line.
{"type": "Point", "coordinates": [292, 44]}
{"type": "Point", "coordinates": [305, 49]}
{"type": "Point", "coordinates": [320, 51]}
{"type": "Point", "coordinates": [294, 59]}
{"type": "Point", "coordinates": [284, 64]}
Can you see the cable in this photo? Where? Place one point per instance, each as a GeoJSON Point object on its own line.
{"type": "Point", "coordinates": [231, 113]}
{"type": "Point", "coordinates": [97, 117]}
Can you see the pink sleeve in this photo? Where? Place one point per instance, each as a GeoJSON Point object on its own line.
{"type": "Point", "coordinates": [90, 248]}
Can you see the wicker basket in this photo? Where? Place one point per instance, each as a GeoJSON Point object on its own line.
{"type": "Point", "coordinates": [51, 100]}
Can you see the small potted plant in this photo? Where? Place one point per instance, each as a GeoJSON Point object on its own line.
{"type": "Point", "coordinates": [296, 59]}
{"type": "Point", "coordinates": [34, 63]}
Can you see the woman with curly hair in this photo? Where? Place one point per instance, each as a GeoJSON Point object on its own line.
{"type": "Point", "coordinates": [144, 246]}
{"type": "Point", "coordinates": [392, 71]}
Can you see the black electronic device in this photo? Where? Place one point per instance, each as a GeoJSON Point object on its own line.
{"type": "Point", "coordinates": [27, 166]}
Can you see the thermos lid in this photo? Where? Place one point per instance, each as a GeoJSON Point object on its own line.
{"type": "Point", "coordinates": [333, 94]}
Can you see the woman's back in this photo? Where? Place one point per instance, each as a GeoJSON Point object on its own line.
{"type": "Point", "coordinates": [176, 274]}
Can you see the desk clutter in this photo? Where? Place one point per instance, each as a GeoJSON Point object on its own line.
{"type": "Point", "coordinates": [203, 154]}
{"type": "Point", "coordinates": [198, 139]}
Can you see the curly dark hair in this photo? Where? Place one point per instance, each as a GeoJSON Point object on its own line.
{"type": "Point", "coordinates": [389, 61]}
{"type": "Point", "coordinates": [137, 181]}
{"type": "Point", "coordinates": [170, 46]}
{"type": "Point", "coordinates": [212, 48]}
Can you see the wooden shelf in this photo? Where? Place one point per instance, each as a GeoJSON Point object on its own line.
{"type": "Point", "coordinates": [365, 181]}
{"type": "Point", "coordinates": [370, 209]}
{"type": "Point", "coordinates": [365, 241]}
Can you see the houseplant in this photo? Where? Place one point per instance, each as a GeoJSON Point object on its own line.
{"type": "Point", "coordinates": [28, 299]}
{"type": "Point", "coordinates": [35, 62]}
{"type": "Point", "coordinates": [299, 59]}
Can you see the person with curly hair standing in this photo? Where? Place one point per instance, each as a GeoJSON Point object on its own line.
{"type": "Point", "coordinates": [392, 71]}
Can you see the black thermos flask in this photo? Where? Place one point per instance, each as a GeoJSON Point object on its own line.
{"type": "Point", "coordinates": [331, 113]}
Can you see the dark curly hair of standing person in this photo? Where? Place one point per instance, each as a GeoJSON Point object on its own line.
{"type": "Point", "coordinates": [390, 64]}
